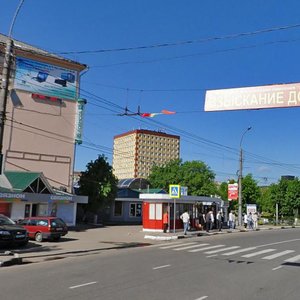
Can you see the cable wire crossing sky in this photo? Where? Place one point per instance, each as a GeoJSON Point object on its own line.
{"type": "Point", "coordinates": [211, 62]}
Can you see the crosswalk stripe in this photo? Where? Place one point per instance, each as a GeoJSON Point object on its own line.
{"type": "Point", "coordinates": [293, 259]}
{"type": "Point", "coordinates": [220, 250]}
{"type": "Point", "coordinates": [258, 253]}
{"type": "Point", "coordinates": [174, 246]}
{"type": "Point", "coordinates": [239, 251]}
{"type": "Point", "coordinates": [166, 244]}
{"type": "Point", "coordinates": [189, 247]}
{"type": "Point", "coordinates": [269, 257]}
{"type": "Point", "coordinates": [206, 248]}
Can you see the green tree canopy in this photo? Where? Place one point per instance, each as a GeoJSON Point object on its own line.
{"type": "Point", "coordinates": [195, 175]}
{"type": "Point", "coordinates": [98, 183]}
{"type": "Point", "coordinates": [250, 190]}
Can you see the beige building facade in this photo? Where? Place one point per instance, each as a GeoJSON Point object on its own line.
{"type": "Point", "coordinates": [136, 152]}
{"type": "Point", "coordinates": [43, 114]}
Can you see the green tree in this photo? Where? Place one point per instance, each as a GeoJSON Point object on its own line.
{"type": "Point", "coordinates": [99, 184]}
{"type": "Point", "coordinates": [195, 175]}
{"type": "Point", "coordinates": [250, 190]}
{"type": "Point", "coordinates": [265, 201]}
{"type": "Point", "coordinates": [291, 203]}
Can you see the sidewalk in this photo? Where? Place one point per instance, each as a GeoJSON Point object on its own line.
{"type": "Point", "coordinates": [82, 241]}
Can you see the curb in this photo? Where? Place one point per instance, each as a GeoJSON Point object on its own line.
{"type": "Point", "coordinates": [10, 258]}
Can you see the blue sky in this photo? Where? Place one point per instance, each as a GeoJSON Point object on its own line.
{"type": "Point", "coordinates": [176, 77]}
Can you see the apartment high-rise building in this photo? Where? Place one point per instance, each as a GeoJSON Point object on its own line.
{"type": "Point", "coordinates": [137, 151]}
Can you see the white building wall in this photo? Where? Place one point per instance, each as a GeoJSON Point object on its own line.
{"type": "Point", "coordinates": [17, 211]}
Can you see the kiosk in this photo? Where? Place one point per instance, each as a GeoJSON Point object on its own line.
{"type": "Point", "coordinates": [154, 205]}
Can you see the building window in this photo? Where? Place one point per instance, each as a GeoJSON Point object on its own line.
{"type": "Point", "coordinates": [118, 209]}
{"type": "Point", "coordinates": [135, 210]}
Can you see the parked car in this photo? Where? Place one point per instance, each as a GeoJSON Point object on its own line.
{"type": "Point", "coordinates": [40, 228]}
{"type": "Point", "coordinates": [12, 233]}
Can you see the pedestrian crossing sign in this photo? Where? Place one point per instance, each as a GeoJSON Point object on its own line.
{"type": "Point", "coordinates": [174, 190]}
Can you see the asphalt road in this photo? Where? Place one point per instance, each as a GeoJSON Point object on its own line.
{"type": "Point", "coordinates": [253, 265]}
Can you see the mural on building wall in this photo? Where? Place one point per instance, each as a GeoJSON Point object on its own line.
{"type": "Point", "coordinates": [46, 79]}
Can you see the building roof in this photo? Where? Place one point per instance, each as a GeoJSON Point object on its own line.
{"type": "Point", "coordinates": [133, 183]}
{"type": "Point", "coordinates": [38, 51]}
{"type": "Point", "coordinates": [31, 181]}
{"type": "Point", "coordinates": [152, 191]}
{"type": "Point", "coordinates": [149, 132]}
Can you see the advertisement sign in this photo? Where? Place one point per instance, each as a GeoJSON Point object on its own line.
{"type": "Point", "coordinates": [233, 191]}
{"type": "Point", "coordinates": [79, 121]}
{"type": "Point", "coordinates": [259, 97]}
{"type": "Point", "coordinates": [46, 79]}
{"type": "Point", "coordinates": [251, 208]}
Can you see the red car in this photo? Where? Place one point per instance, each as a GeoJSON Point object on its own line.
{"type": "Point", "coordinates": [40, 228]}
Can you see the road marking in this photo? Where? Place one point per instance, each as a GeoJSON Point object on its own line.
{"type": "Point", "coordinates": [160, 267]}
{"type": "Point", "coordinates": [278, 254]}
{"type": "Point", "coordinates": [282, 242]}
{"type": "Point", "coordinates": [81, 285]}
{"type": "Point", "coordinates": [220, 250]}
{"type": "Point", "coordinates": [189, 247]}
{"type": "Point", "coordinates": [277, 268]}
{"type": "Point", "coordinates": [174, 246]}
{"type": "Point", "coordinates": [293, 259]}
{"type": "Point", "coordinates": [211, 255]}
{"type": "Point", "coordinates": [239, 251]}
{"type": "Point", "coordinates": [206, 248]}
{"type": "Point", "coordinates": [202, 298]}
{"type": "Point", "coordinates": [258, 253]}
{"type": "Point", "coordinates": [165, 244]}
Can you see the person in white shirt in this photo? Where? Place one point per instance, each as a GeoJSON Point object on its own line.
{"type": "Point", "coordinates": [185, 217]}
{"type": "Point", "coordinates": [231, 219]}
{"type": "Point", "coordinates": [255, 220]}
{"type": "Point", "coordinates": [245, 220]}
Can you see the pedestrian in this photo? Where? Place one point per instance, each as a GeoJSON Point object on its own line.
{"type": "Point", "coordinates": [209, 220]}
{"type": "Point", "coordinates": [255, 220]}
{"type": "Point", "coordinates": [185, 217]}
{"type": "Point", "coordinates": [250, 221]}
{"type": "Point", "coordinates": [219, 220]}
{"type": "Point", "coordinates": [231, 219]}
{"type": "Point", "coordinates": [165, 221]}
{"type": "Point", "coordinates": [245, 220]}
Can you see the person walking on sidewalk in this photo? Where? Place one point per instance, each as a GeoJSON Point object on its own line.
{"type": "Point", "coordinates": [219, 220]}
{"type": "Point", "coordinates": [231, 219]}
{"type": "Point", "coordinates": [209, 220]}
{"type": "Point", "coordinates": [165, 221]}
{"type": "Point", "coordinates": [250, 221]}
{"type": "Point", "coordinates": [255, 220]}
{"type": "Point", "coordinates": [185, 217]}
{"type": "Point", "coordinates": [245, 220]}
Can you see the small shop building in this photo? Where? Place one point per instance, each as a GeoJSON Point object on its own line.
{"type": "Point", "coordinates": [28, 194]}
{"type": "Point", "coordinates": [154, 206]}
{"type": "Point", "coordinates": [127, 208]}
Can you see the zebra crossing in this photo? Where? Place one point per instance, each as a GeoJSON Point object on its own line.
{"type": "Point", "coordinates": [267, 254]}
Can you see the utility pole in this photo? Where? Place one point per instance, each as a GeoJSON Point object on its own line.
{"type": "Point", "coordinates": [5, 82]}
{"type": "Point", "coordinates": [4, 94]}
{"type": "Point", "coordinates": [240, 221]}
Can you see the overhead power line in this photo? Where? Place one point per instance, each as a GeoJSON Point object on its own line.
{"type": "Point", "coordinates": [187, 42]}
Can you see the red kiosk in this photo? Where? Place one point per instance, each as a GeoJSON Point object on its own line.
{"type": "Point", "coordinates": [154, 205]}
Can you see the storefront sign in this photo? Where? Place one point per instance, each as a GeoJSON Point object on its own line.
{"type": "Point", "coordinates": [79, 121]}
{"type": "Point", "coordinates": [12, 196]}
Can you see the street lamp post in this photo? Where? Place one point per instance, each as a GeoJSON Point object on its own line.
{"type": "Point", "coordinates": [240, 222]}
